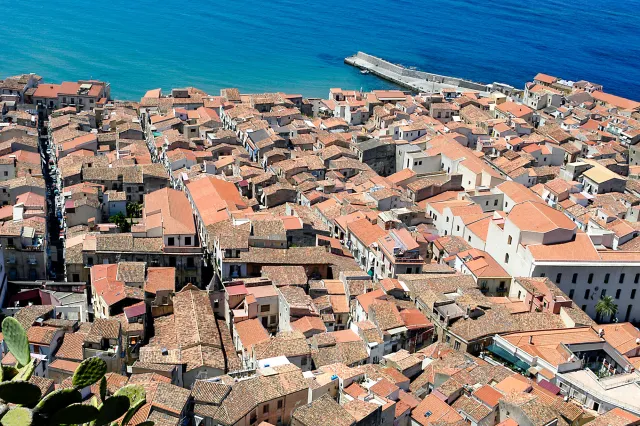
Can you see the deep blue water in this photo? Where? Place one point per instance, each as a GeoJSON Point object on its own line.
{"type": "Point", "coordinates": [299, 47]}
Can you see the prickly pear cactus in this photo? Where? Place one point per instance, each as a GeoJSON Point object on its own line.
{"type": "Point", "coordinates": [9, 372]}
{"type": "Point", "coordinates": [16, 339]}
{"type": "Point", "coordinates": [57, 400]}
{"type": "Point", "coordinates": [27, 371]}
{"type": "Point", "coordinates": [89, 372]}
{"type": "Point", "coordinates": [20, 392]}
{"type": "Point", "coordinates": [112, 409]}
{"type": "Point", "coordinates": [135, 393]}
{"type": "Point", "coordinates": [75, 414]}
{"type": "Point", "coordinates": [103, 388]}
{"type": "Point", "coordinates": [18, 416]}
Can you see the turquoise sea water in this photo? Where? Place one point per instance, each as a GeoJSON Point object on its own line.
{"type": "Point", "coordinates": [299, 47]}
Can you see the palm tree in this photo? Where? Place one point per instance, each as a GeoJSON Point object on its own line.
{"type": "Point", "coordinates": [606, 308]}
{"type": "Point", "coordinates": [134, 210]}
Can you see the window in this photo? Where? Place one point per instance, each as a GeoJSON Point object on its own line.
{"type": "Point", "coordinates": [265, 409]}
{"type": "Point", "coordinates": [458, 228]}
{"type": "Point", "coordinates": [172, 261]}
{"type": "Point", "coordinates": [9, 241]}
{"type": "Point", "coordinates": [590, 279]}
{"type": "Point", "coordinates": [279, 404]}
{"type": "Point", "coordinates": [456, 345]}
{"type": "Point", "coordinates": [571, 292]}
{"type": "Point", "coordinates": [190, 262]}
{"type": "Point", "coordinates": [495, 202]}
{"type": "Point", "coordinates": [469, 238]}
{"type": "Point", "coordinates": [633, 293]}
{"type": "Point", "coordinates": [6, 173]}
{"type": "Point", "coordinates": [606, 278]}
{"type": "Point", "coordinates": [574, 279]}
{"type": "Point", "coordinates": [128, 189]}
{"type": "Point", "coordinates": [76, 277]}
{"type": "Point", "coordinates": [187, 241]}
{"type": "Point", "coordinates": [636, 279]}
{"type": "Point", "coordinates": [603, 293]}
{"type": "Point", "coordinates": [542, 275]}
{"type": "Point", "coordinates": [621, 280]}
{"type": "Point", "coordinates": [506, 258]}
{"type": "Point", "coordinates": [584, 307]}
{"type": "Point", "coordinates": [264, 308]}
{"type": "Point", "coordinates": [618, 291]}
{"type": "Point", "coordinates": [558, 278]}
{"type": "Point", "coordinates": [90, 261]}
{"type": "Point", "coordinates": [409, 270]}
{"type": "Point", "coordinates": [447, 218]}
{"type": "Point", "coordinates": [509, 240]}
{"type": "Point", "coordinates": [303, 361]}
{"type": "Point", "coordinates": [171, 241]}
{"type": "Point", "coordinates": [586, 293]}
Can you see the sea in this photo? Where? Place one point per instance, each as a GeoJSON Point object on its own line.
{"type": "Point", "coordinates": [299, 46]}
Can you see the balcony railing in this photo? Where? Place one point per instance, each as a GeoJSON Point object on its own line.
{"type": "Point", "coordinates": [183, 250]}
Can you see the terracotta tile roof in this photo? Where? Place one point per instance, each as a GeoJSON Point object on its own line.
{"type": "Point", "coordinates": [212, 195]}
{"type": "Point", "coordinates": [347, 353]}
{"type": "Point", "coordinates": [64, 365]}
{"type": "Point", "coordinates": [131, 272]}
{"type": "Point", "coordinates": [251, 332]}
{"type": "Point", "coordinates": [103, 329]}
{"type": "Point", "coordinates": [160, 279]}
{"type": "Point", "coordinates": [384, 388]}
{"type": "Point", "coordinates": [71, 347]}
{"type": "Point", "coordinates": [385, 314]}
{"type": "Point", "coordinates": [26, 316]}
{"type": "Point", "coordinates": [246, 395]}
{"type": "Point", "coordinates": [360, 409]}
{"type": "Point", "coordinates": [432, 410]}
{"type": "Point", "coordinates": [287, 343]}
{"type": "Point", "coordinates": [488, 395]}
{"type": "Point", "coordinates": [41, 335]}
{"type": "Point", "coordinates": [286, 275]}
{"type": "Point", "coordinates": [323, 408]}
{"type": "Point", "coordinates": [307, 324]}
{"type": "Point", "coordinates": [171, 398]}
{"type": "Point", "coordinates": [538, 217]}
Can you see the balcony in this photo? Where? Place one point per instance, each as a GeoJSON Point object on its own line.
{"type": "Point", "coordinates": [183, 250]}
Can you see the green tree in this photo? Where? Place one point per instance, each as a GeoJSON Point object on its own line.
{"type": "Point", "coordinates": [134, 210]}
{"type": "Point", "coordinates": [63, 406]}
{"type": "Point", "coordinates": [606, 308]}
{"type": "Point", "coordinates": [121, 221]}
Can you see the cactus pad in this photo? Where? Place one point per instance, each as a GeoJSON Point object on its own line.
{"type": "Point", "coordinates": [112, 409]}
{"type": "Point", "coordinates": [88, 372]}
{"type": "Point", "coordinates": [16, 339]}
{"type": "Point", "coordinates": [103, 388]}
{"type": "Point", "coordinates": [74, 414]}
{"type": "Point", "coordinates": [18, 416]}
{"type": "Point", "coordinates": [9, 372]}
{"type": "Point", "coordinates": [19, 392]}
{"type": "Point", "coordinates": [135, 393]}
{"type": "Point", "coordinates": [26, 372]}
{"type": "Point", "coordinates": [58, 400]}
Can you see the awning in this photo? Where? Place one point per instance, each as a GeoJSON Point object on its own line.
{"type": "Point", "coordinates": [502, 353]}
